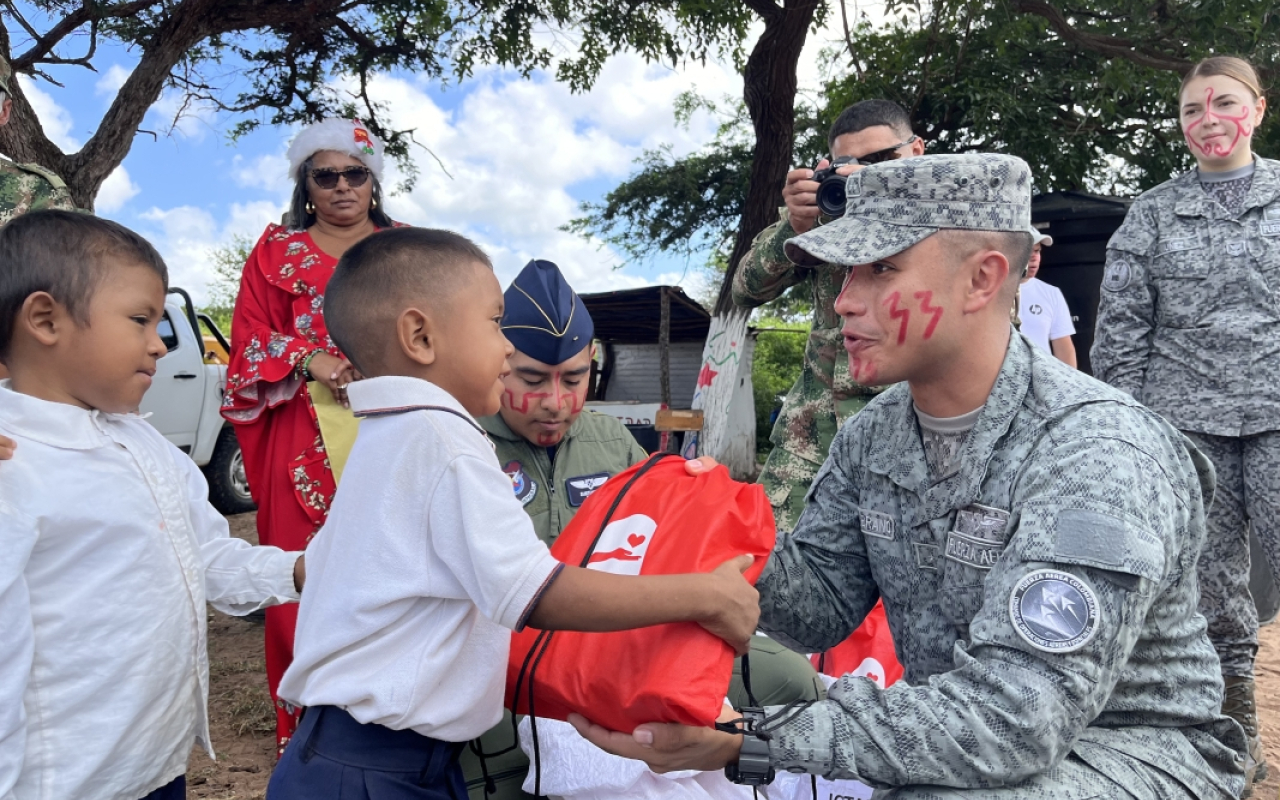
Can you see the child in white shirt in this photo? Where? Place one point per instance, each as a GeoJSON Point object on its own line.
{"type": "Point", "coordinates": [109, 548]}
{"type": "Point", "coordinates": [427, 559]}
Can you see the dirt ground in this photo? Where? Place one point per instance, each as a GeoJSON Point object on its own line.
{"type": "Point", "coordinates": [243, 725]}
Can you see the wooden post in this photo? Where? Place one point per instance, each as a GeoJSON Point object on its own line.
{"type": "Point", "coordinates": [664, 346]}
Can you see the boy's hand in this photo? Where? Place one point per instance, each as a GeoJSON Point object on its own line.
{"type": "Point", "coordinates": [7, 446]}
{"type": "Point", "coordinates": [666, 748]}
{"type": "Point", "coordinates": [737, 604]}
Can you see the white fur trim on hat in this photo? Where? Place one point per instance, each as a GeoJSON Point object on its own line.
{"type": "Point", "coordinates": [347, 136]}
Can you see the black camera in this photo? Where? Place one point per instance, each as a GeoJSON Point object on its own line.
{"type": "Point", "coordinates": [831, 197]}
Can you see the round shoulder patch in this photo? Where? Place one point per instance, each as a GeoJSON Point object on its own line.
{"type": "Point", "coordinates": [1117, 277]}
{"type": "Point", "coordinates": [1054, 611]}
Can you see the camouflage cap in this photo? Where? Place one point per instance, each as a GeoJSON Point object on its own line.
{"type": "Point", "coordinates": [895, 204]}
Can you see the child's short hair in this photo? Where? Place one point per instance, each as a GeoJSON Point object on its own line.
{"type": "Point", "coordinates": [62, 252]}
{"type": "Point", "coordinates": [376, 279]}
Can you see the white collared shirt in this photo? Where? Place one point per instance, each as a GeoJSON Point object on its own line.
{"type": "Point", "coordinates": [109, 550]}
{"type": "Point", "coordinates": [425, 561]}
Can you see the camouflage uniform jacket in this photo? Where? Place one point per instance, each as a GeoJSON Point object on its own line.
{"type": "Point", "coordinates": [596, 448]}
{"type": "Point", "coordinates": [1042, 596]}
{"type": "Point", "coordinates": [28, 187]}
{"type": "Point", "coordinates": [825, 394]}
{"type": "Point", "coordinates": [1189, 321]}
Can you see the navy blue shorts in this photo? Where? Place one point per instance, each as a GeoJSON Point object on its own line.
{"type": "Point", "coordinates": [332, 755]}
{"type": "Point", "coordinates": [174, 790]}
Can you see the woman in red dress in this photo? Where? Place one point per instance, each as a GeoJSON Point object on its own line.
{"type": "Point", "coordinates": [279, 342]}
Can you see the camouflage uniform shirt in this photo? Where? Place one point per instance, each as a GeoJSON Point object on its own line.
{"type": "Point", "coordinates": [825, 394]}
{"type": "Point", "coordinates": [1042, 594]}
{"type": "Point", "coordinates": [27, 187]}
{"type": "Point", "coordinates": [1189, 321]}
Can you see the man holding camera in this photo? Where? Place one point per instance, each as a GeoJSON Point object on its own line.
{"type": "Point", "coordinates": [825, 394]}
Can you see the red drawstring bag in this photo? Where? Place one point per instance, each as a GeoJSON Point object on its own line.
{"type": "Point", "coordinates": [652, 519]}
{"type": "Point", "coordinates": [867, 652]}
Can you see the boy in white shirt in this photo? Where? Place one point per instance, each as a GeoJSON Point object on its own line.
{"type": "Point", "coordinates": [427, 559]}
{"type": "Point", "coordinates": [1046, 319]}
{"type": "Point", "coordinates": [109, 548]}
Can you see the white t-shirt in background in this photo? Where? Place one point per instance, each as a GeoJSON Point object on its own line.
{"type": "Point", "coordinates": [1044, 313]}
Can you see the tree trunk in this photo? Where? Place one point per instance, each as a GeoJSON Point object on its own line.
{"type": "Point", "coordinates": [769, 88]}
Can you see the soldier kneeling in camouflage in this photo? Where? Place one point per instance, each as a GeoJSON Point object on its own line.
{"type": "Point", "coordinates": [557, 453]}
{"type": "Point", "coordinates": [1032, 532]}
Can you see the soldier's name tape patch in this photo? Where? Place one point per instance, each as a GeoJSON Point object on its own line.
{"type": "Point", "coordinates": [876, 523]}
{"type": "Point", "coordinates": [973, 552]}
{"type": "Point", "coordinates": [1176, 245]}
{"type": "Point", "coordinates": [1054, 611]}
{"type": "Point", "coordinates": [1271, 228]}
{"type": "Point", "coordinates": [1117, 277]}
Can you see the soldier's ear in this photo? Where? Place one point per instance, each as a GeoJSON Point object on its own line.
{"type": "Point", "coordinates": [6, 109]}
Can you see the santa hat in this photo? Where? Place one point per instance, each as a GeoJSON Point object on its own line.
{"type": "Point", "coordinates": [347, 136]}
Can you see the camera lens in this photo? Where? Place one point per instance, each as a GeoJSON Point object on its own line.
{"type": "Point", "coordinates": [831, 198]}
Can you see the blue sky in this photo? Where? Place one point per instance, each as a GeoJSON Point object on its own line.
{"type": "Point", "coordinates": [523, 154]}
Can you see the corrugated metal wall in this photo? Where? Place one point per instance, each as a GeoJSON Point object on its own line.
{"type": "Point", "coordinates": [635, 373]}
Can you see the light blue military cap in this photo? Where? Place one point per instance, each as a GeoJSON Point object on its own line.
{"type": "Point", "coordinates": [895, 204]}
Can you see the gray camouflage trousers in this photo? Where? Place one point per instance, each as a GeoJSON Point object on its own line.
{"type": "Point", "coordinates": [1072, 779]}
{"type": "Point", "coordinates": [1248, 493]}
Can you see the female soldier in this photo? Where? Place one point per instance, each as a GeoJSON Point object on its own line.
{"type": "Point", "coordinates": [1189, 324]}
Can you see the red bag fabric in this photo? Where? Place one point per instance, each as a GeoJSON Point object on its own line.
{"type": "Point", "coordinates": [652, 519]}
{"type": "Point", "coordinates": [867, 652]}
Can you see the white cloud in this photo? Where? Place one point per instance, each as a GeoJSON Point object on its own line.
{"type": "Point", "coordinates": [112, 80]}
{"type": "Point", "coordinates": [269, 172]}
{"type": "Point", "coordinates": [116, 190]}
{"type": "Point", "coordinates": [54, 119]}
{"type": "Point", "coordinates": [187, 236]}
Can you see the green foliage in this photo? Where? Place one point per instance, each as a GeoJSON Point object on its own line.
{"type": "Point", "coordinates": [1087, 96]}
{"type": "Point", "coordinates": [779, 356]}
{"type": "Point", "coordinates": [228, 264]}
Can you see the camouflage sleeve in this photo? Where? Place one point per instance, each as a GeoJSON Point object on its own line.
{"type": "Point", "coordinates": [817, 586]}
{"type": "Point", "coordinates": [765, 272]}
{"type": "Point", "coordinates": [1126, 310]}
{"type": "Point", "coordinates": [47, 195]}
{"type": "Point", "coordinates": [1093, 541]}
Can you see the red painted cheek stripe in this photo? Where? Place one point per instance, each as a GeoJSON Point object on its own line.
{"type": "Point", "coordinates": [901, 314]}
{"type": "Point", "coordinates": [926, 298]}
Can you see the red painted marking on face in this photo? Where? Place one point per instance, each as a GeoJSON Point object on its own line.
{"type": "Point", "coordinates": [926, 298]}
{"type": "Point", "coordinates": [1241, 125]}
{"type": "Point", "coordinates": [901, 314]}
{"type": "Point", "coordinates": [549, 439]}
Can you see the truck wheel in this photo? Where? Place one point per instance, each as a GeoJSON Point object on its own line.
{"type": "Point", "coordinates": [228, 486]}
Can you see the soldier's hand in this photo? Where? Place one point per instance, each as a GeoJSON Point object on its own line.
{"type": "Point", "coordinates": [701, 464]}
{"type": "Point", "coordinates": [801, 198]}
{"type": "Point", "coordinates": [666, 748]}
{"type": "Point", "coordinates": [7, 447]}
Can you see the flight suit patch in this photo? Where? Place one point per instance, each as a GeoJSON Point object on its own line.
{"type": "Point", "coordinates": [578, 489]}
{"type": "Point", "coordinates": [521, 483]}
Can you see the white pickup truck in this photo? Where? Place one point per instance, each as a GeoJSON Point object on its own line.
{"type": "Point", "coordinates": [185, 398]}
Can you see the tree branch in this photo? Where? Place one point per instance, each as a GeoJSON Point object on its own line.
{"type": "Point", "coordinates": [1099, 43]}
{"type": "Point", "coordinates": [87, 12]}
{"type": "Point", "coordinates": [765, 8]}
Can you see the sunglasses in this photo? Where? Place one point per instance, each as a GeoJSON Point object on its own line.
{"type": "Point", "coordinates": [328, 178]}
{"type": "Point", "coordinates": [885, 154]}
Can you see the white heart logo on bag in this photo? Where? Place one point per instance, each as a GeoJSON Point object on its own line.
{"type": "Point", "coordinates": [623, 544]}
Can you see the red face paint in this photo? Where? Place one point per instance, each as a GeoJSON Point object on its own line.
{"type": "Point", "coordinates": [1236, 127]}
{"type": "Point", "coordinates": [901, 314]}
{"type": "Point", "coordinates": [925, 299]}
{"type": "Point", "coordinates": [531, 412]}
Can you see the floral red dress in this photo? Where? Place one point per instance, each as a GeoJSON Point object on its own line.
{"type": "Point", "coordinates": [277, 323]}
